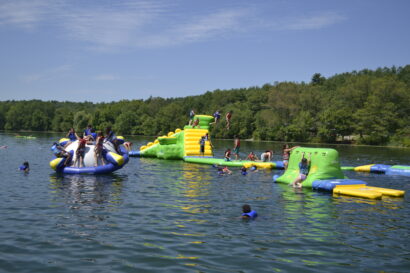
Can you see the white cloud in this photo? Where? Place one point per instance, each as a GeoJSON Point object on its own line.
{"type": "Point", "coordinates": [115, 25]}
{"type": "Point", "coordinates": [313, 22]}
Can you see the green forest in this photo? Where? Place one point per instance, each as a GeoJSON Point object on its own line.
{"type": "Point", "coordinates": [367, 106]}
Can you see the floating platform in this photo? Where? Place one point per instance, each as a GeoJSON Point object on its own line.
{"type": "Point", "coordinates": [381, 169]}
{"type": "Point", "coordinates": [325, 174]}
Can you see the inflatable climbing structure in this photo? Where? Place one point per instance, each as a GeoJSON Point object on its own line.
{"type": "Point", "coordinates": [184, 145]}
{"type": "Point", "coordinates": [326, 174]}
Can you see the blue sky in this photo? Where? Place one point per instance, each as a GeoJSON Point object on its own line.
{"type": "Point", "coordinates": [112, 50]}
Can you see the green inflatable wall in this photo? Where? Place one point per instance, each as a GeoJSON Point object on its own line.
{"type": "Point", "coordinates": [324, 165]}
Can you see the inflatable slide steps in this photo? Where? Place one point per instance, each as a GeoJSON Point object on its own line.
{"type": "Point", "coordinates": [191, 142]}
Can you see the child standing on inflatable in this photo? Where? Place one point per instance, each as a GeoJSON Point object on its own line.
{"type": "Point", "coordinates": [228, 155]}
{"type": "Point", "coordinates": [248, 213]}
{"type": "Point", "coordinates": [236, 147]}
{"type": "Point", "coordinates": [191, 117]}
{"type": "Point", "coordinates": [286, 154]}
{"type": "Point", "coordinates": [228, 120]}
{"type": "Point", "coordinates": [98, 149]}
{"type": "Point", "coordinates": [80, 152]}
{"type": "Point", "coordinates": [202, 146]}
{"type": "Point", "coordinates": [304, 166]}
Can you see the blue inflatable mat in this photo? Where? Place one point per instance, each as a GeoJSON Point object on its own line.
{"type": "Point", "coordinates": [134, 153]}
{"type": "Point", "coordinates": [329, 184]}
{"type": "Point", "coordinates": [397, 171]}
{"type": "Point", "coordinates": [379, 168]}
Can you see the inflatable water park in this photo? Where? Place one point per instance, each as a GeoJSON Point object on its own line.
{"type": "Point", "coordinates": [325, 172]}
{"type": "Point", "coordinates": [110, 161]}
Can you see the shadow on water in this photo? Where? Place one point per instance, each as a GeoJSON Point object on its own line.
{"type": "Point", "coordinates": [87, 191]}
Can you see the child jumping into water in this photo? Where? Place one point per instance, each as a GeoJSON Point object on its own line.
{"type": "Point", "coordinates": [304, 166]}
{"type": "Point", "coordinates": [228, 120]}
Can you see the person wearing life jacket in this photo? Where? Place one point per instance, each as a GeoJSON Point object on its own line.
{"type": "Point", "coordinates": [191, 116]}
{"type": "Point", "coordinates": [59, 151]}
{"type": "Point", "coordinates": [202, 146]}
{"type": "Point", "coordinates": [72, 136]}
{"type": "Point", "coordinates": [25, 167]}
{"type": "Point", "coordinates": [87, 131]}
{"type": "Point", "coordinates": [244, 171]}
{"type": "Point", "coordinates": [248, 213]}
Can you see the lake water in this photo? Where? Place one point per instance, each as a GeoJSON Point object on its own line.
{"type": "Point", "coordinates": [170, 216]}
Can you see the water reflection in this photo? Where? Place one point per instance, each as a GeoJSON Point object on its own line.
{"type": "Point", "coordinates": [87, 192]}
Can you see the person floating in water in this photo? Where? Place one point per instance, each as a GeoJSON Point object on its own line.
{"type": "Point", "coordinates": [286, 154]}
{"type": "Point", "coordinates": [236, 147]}
{"type": "Point", "coordinates": [202, 146]}
{"type": "Point", "coordinates": [304, 166]}
{"type": "Point", "coordinates": [228, 120]}
{"type": "Point", "coordinates": [191, 117]}
{"type": "Point", "coordinates": [267, 156]}
{"type": "Point", "coordinates": [248, 213]}
{"type": "Point", "coordinates": [25, 167]}
{"type": "Point", "coordinates": [224, 170]}
{"type": "Point", "coordinates": [244, 171]}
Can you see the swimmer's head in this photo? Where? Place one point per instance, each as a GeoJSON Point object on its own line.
{"type": "Point", "coordinates": [246, 208]}
{"type": "Point", "coordinates": [304, 160]}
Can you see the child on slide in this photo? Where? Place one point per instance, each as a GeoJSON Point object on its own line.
{"type": "Point", "coordinates": [304, 166]}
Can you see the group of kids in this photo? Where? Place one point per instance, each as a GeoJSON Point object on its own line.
{"type": "Point", "coordinates": [89, 137]}
{"type": "Point", "coordinates": [266, 156]}
{"type": "Point", "coordinates": [217, 116]}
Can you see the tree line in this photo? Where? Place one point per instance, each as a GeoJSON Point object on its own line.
{"type": "Point", "coordinates": [372, 106]}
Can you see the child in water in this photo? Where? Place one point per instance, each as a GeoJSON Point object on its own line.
{"type": "Point", "coordinates": [224, 170]}
{"type": "Point", "coordinates": [244, 171]}
{"type": "Point", "coordinates": [25, 167]}
{"type": "Point", "coordinates": [303, 171]}
{"type": "Point", "coordinates": [248, 213]}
